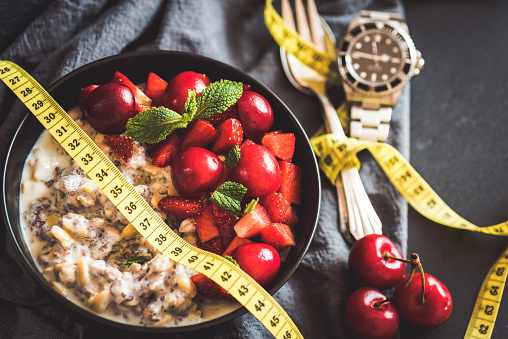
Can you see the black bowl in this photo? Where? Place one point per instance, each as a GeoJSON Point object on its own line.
{"type": "Point", "coordinates": [166, 64]}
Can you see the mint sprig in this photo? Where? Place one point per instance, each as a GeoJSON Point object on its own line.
{"type": "Point", "coordinates": [155, 124]}
{"type": "Point", "coordinates": [230, 258]}
{"type": "Point", "coordinates": [250, 206]}
{"type": "Point", "coordinates": [228, 196]}
{"type": "Point", "coordinates": [233, 157]}
{"type": "Point", "coordinates": [135, 259]}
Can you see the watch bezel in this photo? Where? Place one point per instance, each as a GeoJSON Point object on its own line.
{"type": "Point", "coordinates": [386, 87]}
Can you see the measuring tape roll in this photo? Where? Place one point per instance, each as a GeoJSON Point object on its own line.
{"type": "Point", "coordinates": [137, 211]}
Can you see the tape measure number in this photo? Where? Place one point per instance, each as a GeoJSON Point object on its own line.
{"type": "Point", "coordinates": [137, 211]}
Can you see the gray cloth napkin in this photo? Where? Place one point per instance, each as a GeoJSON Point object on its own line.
{"type": "Point", "coordinates": [71, 33]}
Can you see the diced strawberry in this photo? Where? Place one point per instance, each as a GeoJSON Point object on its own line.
{"type": "Point", "coordinates": [278, 131]}
{"type": "Point", "coordinates": [155, 88]}
{"type": "Point", "coordinates": [165, 151]}
{"type": "Point", "coordinates": [141, 108]}
{"type": "Point", "coordinates": [214, 245]}
{"type": "Point", "coordinates": [225, 221]}
{"type": "Point", "coordinates": [247, 142]}
{"type": "Point", "coordinates": [219, 118]}
{"type": "Point", "coordinates": [139, 96]}
{"type": "Point", "coordinates": [278, 235]}
{"type": "Point", "coordinates": [279, 209]}
{"type": "Point", "coordinates": [206, 227]}
{"type": "Point", "coordinates": [122, 147]}
{"type": "Point", "coordinates": [251, 225]}
{"type": "Point", "coordinates": [237, 241]}
{"type": "Point", "coordinates": [230, 133]}
{"type": "Point", "coordinates": [291, 186]}
{"type": "Point", "coordinates": [199, 134]}
{"type": "Point", "coordinates": [208, 288]}
{"type": "Point", "coordinates": [282, 145]}
{"type": "Point", "coordinates": [181, 207]}
{"type": "Point", "coordinates": [84, 94]}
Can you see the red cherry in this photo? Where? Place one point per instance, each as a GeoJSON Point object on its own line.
{"type": "Point", "coordinates": [258, 170]}
{"type": "Point", "coordinates": [196, 170]}
{"type": "Point", "coordinates": [367, 261]}
{"type": "Point", "coordinates": [366, 321]}
{"type": "Point", "coordinates": [256, 114]}
{"type": "Point", "coordinates": [260, 261]}
{"type": "Point", "coordinates": [178, 87]}
{"type": "Point", "coordinates": [109, 107]}
{"type": "Point", "coordinates": [438, 301]}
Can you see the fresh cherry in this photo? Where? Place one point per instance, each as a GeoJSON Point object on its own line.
{"type": "Point", "coordinates": [196, 170]}
{"type": "Point", "coordinates": [258, 170]}
{"type": "Point", "coordinates": [256, 114]}
{"type": "Point", "coordinates": [109, 107]}
{"type": "Point", "coordinates": [367, 316]}
{"type": "Point", "coordinates": [178, 87]}
{"type": "Point", "coordinates": [431, 311]}
{"type": "Point", "coordinates": [370, 261]}
{"type": "Point", "coordinates": [260, 261]}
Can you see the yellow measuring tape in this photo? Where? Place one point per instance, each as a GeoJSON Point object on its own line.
{"type": "Point", "coordinates": [139, 213]}
{"type": "Point", "coordinates": [333, 154]}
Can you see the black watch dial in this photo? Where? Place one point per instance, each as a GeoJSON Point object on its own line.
{"type": "Point", "coordinates": [374, 58]}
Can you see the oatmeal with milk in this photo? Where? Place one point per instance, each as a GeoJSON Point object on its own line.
{"type": "Point", "coordinates": [89, 251]}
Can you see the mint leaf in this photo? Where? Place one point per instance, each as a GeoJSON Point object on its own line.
{"type": "Point", "coordinates": [233, 157]}
{"type": "Point", "coordinates": [250, 206]}
{"type": "Point", "coordinates": [190, 106]}
{"type": "Point", "coordinates": [217, 97]}
{"type": "Point", "coordinates": [228, 196]}
{"type": "Point", "coordinates": [135, 259]}
{"type": "Point", "coordinates": [154, 124]}
{"type": "Point", "coordinates": [232, 260]}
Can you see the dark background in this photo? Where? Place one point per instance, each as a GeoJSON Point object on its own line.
{"type": "Point", "coordinates": [459, 118]}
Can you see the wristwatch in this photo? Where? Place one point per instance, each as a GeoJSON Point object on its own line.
{"type": "Point", "coordinates": [376, 59]}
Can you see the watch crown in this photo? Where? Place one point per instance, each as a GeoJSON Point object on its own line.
{"type": "Point", "coordinates": [419, 63]}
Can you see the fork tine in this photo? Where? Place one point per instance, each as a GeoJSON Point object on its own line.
{"type": "Point", "coordinates": [301, 21]}
{"type": "Point", "coordinates": [316, 30]}
{"type": "Point", "coordinates": [287, 15]}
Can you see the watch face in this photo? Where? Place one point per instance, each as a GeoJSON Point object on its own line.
{"type": "Point", "coordinates": [375, 57]}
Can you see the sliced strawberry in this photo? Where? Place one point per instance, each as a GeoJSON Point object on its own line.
{"type": "Point", "coordinates": [122, 147]}
{"type": "Point", "coordinates": [282, 145]}
{"type": "Point", "coordinates": [251, 225]}
{"type": "Point", "coordinates": [181, 207]}
{"type": "Point", "coordinates": [247, 142]}
{"type": "Point", "coordinates": [165, 151]}
{"type": "Point", "coordinates": [139, 96]}
{"type": "Point", "coordinates": [205, 225]}
{"type": "Point", "coordinates": [291, 186]}
{"type": "Point", "coordinates": [84, 94]}
{"type": "Point", "coordinates": [279, 209]}
{"type": "Point", "coordinates": [214, 245]}
{"type": "Point", "coordinates": [141, 108]}
{"type": "Point", "coordinates": [155, 88]}
{"type": "Point", "coordinates": [219, 118]}
{"type": "Point", "coordinates": [230, 133]}
{"type": "Point", "coordinates": [199, 134]}
{"type": "Point", "coordinates": [208, 288]}
{"type": "Point", "coordinates": [237, 241]}
{"type": "Point", "coordinates": [225, 221]}
{"type": "Point", "coordinates": [278, 235]}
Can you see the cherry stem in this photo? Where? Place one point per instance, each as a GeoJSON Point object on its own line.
{"type": "Point", "coordinates": [389, 256]}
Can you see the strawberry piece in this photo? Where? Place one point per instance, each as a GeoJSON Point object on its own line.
{"type": "Point", "coordinates": [291, 186]}
{"type": "Point", "coordinates": [208, 288]}
{"type": "Point", "coordinates": [181, 207]}
{"type": "Point", "coordinates": [219, 118]}
{"type": "Point", "coordinates": [199, 134]}
{"type": "Point", "coordinates": [155, 88]}
{"type": "Point", "coordinates": [278, 235]}
{"type": "Point", "coordinates": [282, 145]}
{"type": "Point", "coordinates": [237, 241]}
{"type": "Point", "coordinates": [214, 245]}
{"type": "Point", "coordinates": [83, 95]}
{"type": "Point", "coordinates": [230, 133]}
{"type": "Point", "coordinates": [122, 147]}
{"type": "Point", "coordinates": [251, 225]}
{"type": "Point", "coordinates": [279, 209]}
{"type": "Point", "coordinates": [139, 96]}
{"type": "Point", "coordinates": [206, 226]}
{"type": "Point", "coordinates": [225, 221]}
{"type": "Point", "coordinates": [165, 151]}
{"type": "Point", "coordinates": [247, 142]}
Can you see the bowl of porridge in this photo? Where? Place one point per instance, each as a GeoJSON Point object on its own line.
{"type": "Point", "coordinates": [87, 255]}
